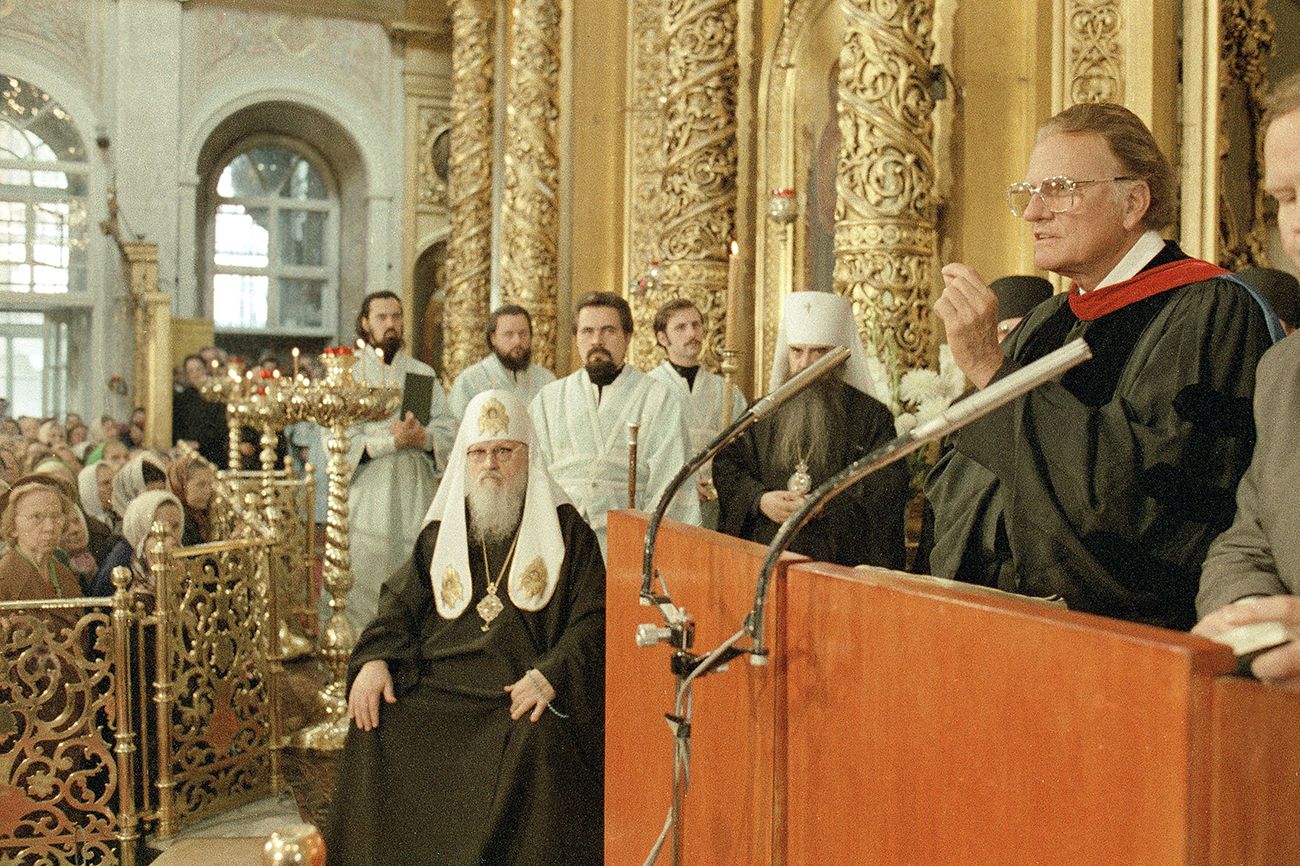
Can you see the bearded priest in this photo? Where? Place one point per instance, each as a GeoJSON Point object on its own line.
{"type": "Point", "coordinates": [477, 693]}
{"type": "Point", "coordinates": [766, 475]}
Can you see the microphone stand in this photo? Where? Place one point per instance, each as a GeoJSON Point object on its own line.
{"type": "Point", "coordinates": [949, 421]}
{"type": "Point", "coordinates": [679, 630]}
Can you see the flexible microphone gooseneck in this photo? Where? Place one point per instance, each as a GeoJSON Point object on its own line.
{"type": "Point", "coordinates": [949, 421]}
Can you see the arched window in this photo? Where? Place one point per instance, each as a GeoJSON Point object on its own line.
{"type": "Point", "coordinates": [44, 297]}
{"type": "Point", "coordinates": [274, 237]}
{"type": "Point", "coordinates": [42, 193]}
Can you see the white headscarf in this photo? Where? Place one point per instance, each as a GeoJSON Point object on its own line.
{"type": "Point", "coordinates": [140, 515]}
{"type": "Point", "coordinates": [495, 416]}
{"type": "Point", "coordinates": [88, 487]}
{"type": "Point", "coordinates": [820, 319]}
{"type": "Point", "coordinates": [128, 483]}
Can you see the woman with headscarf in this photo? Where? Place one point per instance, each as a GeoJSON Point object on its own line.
{"type": "Point", "coordinates": [31, 525]}
{"type": "Point", "coordinates": [133, 550]}
{"type": "Point", "coordinates": [102, 524]}
{"type": "Point", "coordinates": [142, 472]}
{"type": "Point", "coordinates": [190, 477]}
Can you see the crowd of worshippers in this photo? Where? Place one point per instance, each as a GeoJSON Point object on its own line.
{"type": "Point", "coordinates": [72, 508]}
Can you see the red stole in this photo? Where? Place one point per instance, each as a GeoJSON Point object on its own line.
{"type": "Point", "coordinates": [1100, 302]}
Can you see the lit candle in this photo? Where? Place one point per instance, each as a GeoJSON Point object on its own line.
{"type": "Point", "coordinates": [383, 374]}
{"type": "Point", "coordinates": [733, 295]}
{"type": "Point", "coordinates": [294, 352]}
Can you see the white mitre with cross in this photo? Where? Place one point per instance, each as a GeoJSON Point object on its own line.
{"type": "Point", "coordinates": [496, 416]}
{"type": "Point", "coordinates": [820, 319]}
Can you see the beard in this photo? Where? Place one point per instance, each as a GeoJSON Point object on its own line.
{"type": "Point", "coordinates": [390, 343]}
{"type": "Point", "coordinates": [600, 367]}
{"type": "Point", "coordinates": [515, 361]}
{"type": "Point", "coordinates": [495, 506]}
{"type": "Point", "coordinates": [809, 427]}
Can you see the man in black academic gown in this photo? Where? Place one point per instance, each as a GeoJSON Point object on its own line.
{"type": "Point", "coordinates": [1107, 486]}
{"type": "Point", "coordinates": [764, 476]}
{"type": "Point", "coordinates": [477, 692]}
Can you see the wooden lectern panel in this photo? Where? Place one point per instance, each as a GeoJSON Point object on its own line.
{"type": "Point", "coordinates": [1256, 774]}
{"type": "Point", "coordinates": [734, 768]}
{"type": "Point", "coordinates": [928, 726]}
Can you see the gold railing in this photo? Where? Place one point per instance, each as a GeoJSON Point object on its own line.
{"type": "Point", "coordinates": [216, 692]}
{"type": "Point", "coordinates": [67, 741]}
{"type": "Point", "coordinates": [245, 505]}
{"type": "Point", "coordinates": [144, 710]}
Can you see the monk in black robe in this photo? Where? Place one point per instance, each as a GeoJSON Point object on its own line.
{"type": "Point", "coordinates": [1107, 486]}
{"type": "Point", "coordinates": [764, 475]}
{"type": "Point", "coordinates": [460, 767]}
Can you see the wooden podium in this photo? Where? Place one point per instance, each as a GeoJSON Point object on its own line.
{"type": "Point", "coordinates": [904, 723]}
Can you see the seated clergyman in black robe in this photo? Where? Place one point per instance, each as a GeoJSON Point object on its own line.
{"type": "Point", "coordinates": [477, 692]}
{"type": "Point", "coordinates": [1106, 486]}
{"type": "Point", "coordinates": [765, 475]}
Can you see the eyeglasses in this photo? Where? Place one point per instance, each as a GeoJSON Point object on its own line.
{"type": "Point", "coordinates": [499, 453]}
{"type": "Point", "coordinates": [1057, 193]}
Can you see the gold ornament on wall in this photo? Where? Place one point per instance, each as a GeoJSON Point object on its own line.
{"type": "Point", "coordinates": [1248, 37]}
{"type": "Point", "coordinates": [530, 217]}
{"type": "Point", "coordinates": [698, 189]}
{"type": "Point", "coordinates": [1095, 51]}
{"type": "Point", "coordinates": [885, 209]}
{"type": "Point", "coordinates": [469, 173]}
{"type": "Point", "coordinates": [433, 151]}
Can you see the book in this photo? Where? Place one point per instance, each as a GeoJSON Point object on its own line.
{"type": "Point", "coordinates": [417, 397]}
{"type": "Point", "coordinates": [1253, 639]}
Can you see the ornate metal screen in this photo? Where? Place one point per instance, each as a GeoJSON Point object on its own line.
{"type": "Point", "coordinates": [241, 509]}
{"type": "Point", "coordinates": [66, 791]}
{"type": "Point", "coordinates": [216, 692]}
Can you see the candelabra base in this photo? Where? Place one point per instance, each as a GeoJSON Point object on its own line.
{"type": "Point", "coordinates": [294, 646]}
{"type": "Point", "coordinates": [327, 735]}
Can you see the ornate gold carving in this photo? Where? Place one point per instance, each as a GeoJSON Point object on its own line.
{"type": "Point", "coordinates": [698, 192]}
{"type": "Point", "coordinates": [469, 245]}
{"type": "Point", "coordinates": [451, 589]}
{"type": "Point", "coordinates": [59, 778]}
{"type": "Point", "coordinates": [215, 693]}
{"type": "Point", "coordinates": [1095, 52]}
{"type": "Point", "coordinates": [530, 217]}
{"type": "Point", "coordinates": [433, 155]}
{"type": "Point", "coordinates": [533, 580]}
{"type": "Point", "coordinates": [1248, 33]}
{"type": "Point", "coordinates": [647, 75]}
{"type": "Point", "coordinates": [885, 211]}
{"type": "Point", "coordinates": [492, 418]}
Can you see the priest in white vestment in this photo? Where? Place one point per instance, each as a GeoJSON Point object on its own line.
{"type": "Point", "coordinates": [582, 422]}
{"type": "Point", "coordinates": [396, 462]}
{"type": "Point", "coordinates": [508, 366]}
{"type": "Point", "coordinates": [679, 331]}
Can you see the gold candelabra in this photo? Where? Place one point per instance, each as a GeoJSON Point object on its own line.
{"type": "Point", "coordinates": [339, 402]}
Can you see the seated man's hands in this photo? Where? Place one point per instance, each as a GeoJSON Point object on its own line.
{"type": "Point", "coordinates": [531, 693]}
{"type": "Point", "coordinates": [407, 432]}
{"type": "Point", "coordinates": [372, 681]}
{"type": "Point", "coordinates": [704, 487]}
{"type": "Point", "coordinates": [1280, 666]}
{"type": "Point", "coordinates": [969, 310]}
{"type": "Point", "coordinates": [777, 505]}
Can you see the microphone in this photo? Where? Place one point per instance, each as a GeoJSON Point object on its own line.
{"type": "Point", "coordinates": [751, 416]}
{"type": "Point", "coordinates": [949, 421]}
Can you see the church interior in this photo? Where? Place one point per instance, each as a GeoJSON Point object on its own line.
{"type": "Point", "coordinates": [178, 175]}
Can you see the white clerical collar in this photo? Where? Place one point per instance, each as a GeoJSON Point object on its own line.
{"type": "Point", "coordinates": [1143, 251]}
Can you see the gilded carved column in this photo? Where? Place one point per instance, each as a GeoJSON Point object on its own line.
{"type": "Point", "coordinates": [698, 191]}
{"type": "Point", "coordinates": [530, 217]}
{"type": "Point", "coordinates": [885, 213]}
{"type": "Point", "coordinates": [469, 184]}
